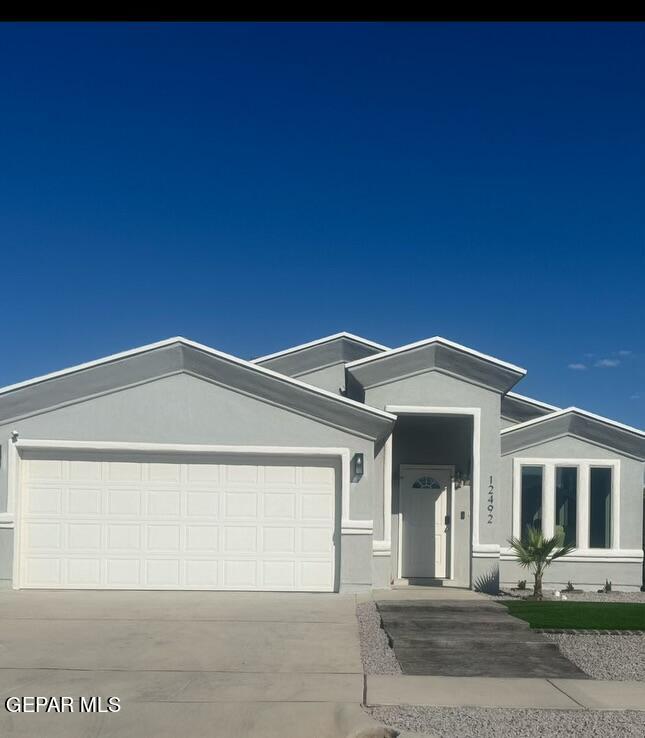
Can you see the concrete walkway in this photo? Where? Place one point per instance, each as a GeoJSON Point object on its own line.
{"type": "Point", "coordinates": [195, 664]}
{"type": "Point", "coordinates": [547, 694]}
{"type": "Point", "coordinates": [468, 637]}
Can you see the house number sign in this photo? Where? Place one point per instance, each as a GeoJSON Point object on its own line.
{"type": "Point", "coordinates": [491, 500]}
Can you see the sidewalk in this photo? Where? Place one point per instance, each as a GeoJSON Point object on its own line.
{"type": "Point", "coordinates": [546, 694]}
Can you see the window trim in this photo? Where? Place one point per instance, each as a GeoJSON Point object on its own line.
{"type": "Point", "coordinates": [583, 496]}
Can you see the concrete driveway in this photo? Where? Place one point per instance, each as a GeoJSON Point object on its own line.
{"type": "Point", "coordinates": [183, 663]}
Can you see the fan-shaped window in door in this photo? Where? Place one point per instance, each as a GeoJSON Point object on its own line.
{"type": "Point", "coordinates": [426, 483]}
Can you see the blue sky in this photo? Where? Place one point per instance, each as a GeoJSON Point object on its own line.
{"type": "Point", "coordinates": [256, 186]}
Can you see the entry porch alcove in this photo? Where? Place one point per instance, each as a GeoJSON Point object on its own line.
{"type": "Point", "coordinates": [432, 463]}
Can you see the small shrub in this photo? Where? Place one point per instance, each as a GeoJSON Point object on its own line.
{"type": "Point", "coordinates": [569, 587]}
{"type": "Point", "coordinates": [535, 552]}
{"type": "Point", "coordinates": [607, 586]}
{"type": "Point", "coordinates": [521, 584]}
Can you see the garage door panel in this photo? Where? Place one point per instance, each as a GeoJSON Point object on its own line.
{"type": "Point", "coordinates": [123, 537]}
{"type": "Point", "coordinates": [317, 506]}
{"type": "Point", "coordinates": [161, 538]}
{"type": "Point", "coordinates": [124, 471]}
{"type": "Point", "coordinates": [83, 471]}
{"type": "Point", "coordinates": [241, 474]}
{"type": "Point", "coordinates": [123, 573]}
{"type": "Point", "coordinates": [163, 503]}
{"type": "Point", "coordinates": [280, 505]}
{"type": "Point", "coordinates": [316, 541]}
{"type": "Point", "coordinates": [279, 574]}
{"type": "Point", "coordinates": [203, 473]}
{"type": "Point", "coordinates": [44, 536]}
{"type": "Point", "coordinates": [124, 502]}
{"type": "Point", "coordinates": [202, 538]}
{"type": "Point", "coordinates": [240, 505]}
{"type": "Point", "coordinates": [45, 500]}
{"type": "Point", "coordinates": [137, 523]}
{"type": "Point", "coordinates": [49, 469]}
{"type": "Point", "coordinates": [240, 539]}
{"type": "Point", "coordinates": [202, 573]}
{"type": "Point", "coordinates": [84, 536]}
{"type": "Point", "coordinates": [83, 501]}
{"type": "Point", "coordinates": [203, 504]}
{"type": "Point", "coordinates": [43, 572]}
{"type": "Point", "coordinates": [277, 540]}
{"type": "Point", "coordinates": [240, 574]}
{"type": "Point", "coordinates": [170, 473]}
{"type": "Point", "coordinates": [162, 572]}
{"type": "Point", "coordinates": [84, 572]}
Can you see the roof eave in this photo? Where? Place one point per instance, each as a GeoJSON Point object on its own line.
{"type": "Point", "coordinates": [382, 418]}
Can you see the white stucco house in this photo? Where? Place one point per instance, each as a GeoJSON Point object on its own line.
{"type": "Point", "coordinates": [338, 464]}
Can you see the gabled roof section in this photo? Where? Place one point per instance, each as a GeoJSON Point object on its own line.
{"type": "Point", "coordinates": [573, 421]}
{"type": "Point", "coordinates": [338, 348]}
{"type": "Point", "coordinates": [177, 355]}
{"type": "Point", "coordinates": [519, 408]}
{"type": "Point", "coordinates": [436, 354]}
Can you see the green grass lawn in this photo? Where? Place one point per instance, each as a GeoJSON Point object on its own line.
{"type": "Point", "coordinates": [581, 615]}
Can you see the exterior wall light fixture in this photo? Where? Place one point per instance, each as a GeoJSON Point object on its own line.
{"type": "Point", "coordinates": [357, 467]}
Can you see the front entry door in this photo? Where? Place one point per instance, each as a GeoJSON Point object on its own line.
{"type": "Point", "coordinates": [424, 509]}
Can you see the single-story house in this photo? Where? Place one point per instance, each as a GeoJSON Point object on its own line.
{"type": "Point", "coordinates": [338, 464]}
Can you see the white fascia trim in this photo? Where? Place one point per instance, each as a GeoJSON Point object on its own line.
{"type": "Point", "coordinates": [213, 352]}
{"type": "Point", "coordinates": [577, 410]}
{"type": "Point", "coordinates": [442, 341]}
{"type": "Point", "coordinates": [531, 401]}
{"type": "Point", "coordinates": [318, 342]}
{"type": "Point", "coordinates": [90, 364]}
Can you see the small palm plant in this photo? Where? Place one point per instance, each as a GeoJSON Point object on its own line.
{"type": "Point", "coordinates": [535, 552]}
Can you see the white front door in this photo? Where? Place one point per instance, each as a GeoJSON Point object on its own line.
{"type": "Point", "coordinates": [424, 510]}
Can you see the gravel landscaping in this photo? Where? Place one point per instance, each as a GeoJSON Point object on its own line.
{"type": "Point", "coordinates": [606, 596]}
{"type": "Point", "coordinates": [617, 657]}
{"type": "Point", "coordinates": [572, 596]}
{"type": "Point", "coordinates": [479, 722]}
{"type": "Point", "coordinates": [377, 656]}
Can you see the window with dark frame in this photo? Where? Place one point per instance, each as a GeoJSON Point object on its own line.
{"type": "Point", "coordinates": [531, 503]}
{"type": "Point", "coordinates": [600, 483]}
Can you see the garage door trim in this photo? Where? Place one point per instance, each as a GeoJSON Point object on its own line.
{"type": "Point", "coordinates": [348, 526]}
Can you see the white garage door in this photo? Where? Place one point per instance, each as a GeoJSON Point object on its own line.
{"type": "Point", "coordinates": [137, 522]}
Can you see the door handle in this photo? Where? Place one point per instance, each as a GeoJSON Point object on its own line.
{"type": "Point", "coordinates": [446, 520]}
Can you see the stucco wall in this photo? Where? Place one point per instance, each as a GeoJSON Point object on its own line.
{"type": "Point", "coordinates": [631, 480]}
{"type": "Point", "coordinates": [588, 575]}
{"type": "Point", "coordinates": [331, 378]}
{"type": "Point", "coordinates": [436, 389]}
{"type": "Point", "coordinates": [184, 409]}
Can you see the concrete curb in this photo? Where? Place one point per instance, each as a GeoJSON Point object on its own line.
{"type": "Point", "coordinates": [588, 631]}
{"type": "Point", "coordinates": [528, 693]}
